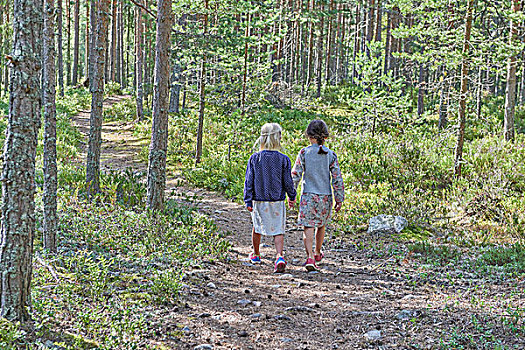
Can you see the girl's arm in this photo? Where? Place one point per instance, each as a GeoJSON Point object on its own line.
{"type": "Point", "coordinates": [337, 180]}
{"type": "Point", "coordinates": [298, 169]}
{"type": "Point", "coordinates": [248, 185]}
{"type": "Point", "coordinates": [287, 180]}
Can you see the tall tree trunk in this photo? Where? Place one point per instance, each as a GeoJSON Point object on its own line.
{"type": "Point", "coordinates": [68, 43]}
{"type": "Point", "coordinates": [50, 149]}
{"type": "Point", "coordinates": [175, 87]}
{"type": "Point", "coordinates": [202, 92]}
{"type": "Point", "coordinates": [371, 18]}
{"type": "Point", "coordinates": [159, 131]}
{"type": "Point", "coordinates": [329, 41]}
{"type": "Point", "coordinates": [60, 54]}
{"type": "Point", "coordinates": [245, 70]}
{"type": "Point", "coordinates": [139, 71]}
{"type": "Point", "coordinates": [120, 44]}
{"type": "Point", "coordinates": [479, 90]}
{"type": "Point", "coordinates": [458, 157]}
{"type": "Point", "coordinates": [87, 41]}
{"type": "Point", "coordinates": [421, 90]}
{"type": "Point", "coordinates": [443, 103]}
{"type": "Point", "coordinates": [379, 21]}
{"type": "Point", "coordinates": [320, 52]}
{"type": "Point", "coordinates": [113, 57]}
{"type": "Point", "coordinates": [357, 43]}
{"type": "Point", "coordinates": [76, 42]}
{"type": "Point", "coordinates": [388, 43]}
{"type": "Point", "coordinates": [2, 53]}
{"type": "Point", "coordinates": [18, 184]}
{"type": "Point", "coordinates": [510, 95]}
{"type": "Point", "coordinates": [97, 93]}
{"type": "Point", "coordinates": [522, 83]}
{"type": "Point", "coordinates": [311, 63]}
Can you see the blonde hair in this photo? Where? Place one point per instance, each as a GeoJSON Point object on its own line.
{"type": "Point", "coordinates": [270, 138]}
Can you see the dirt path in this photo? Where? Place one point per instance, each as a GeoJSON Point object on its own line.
{"type": "Point", "coordinates": [363, 296]}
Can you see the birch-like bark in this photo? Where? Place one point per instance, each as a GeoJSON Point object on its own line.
{"type": "Point", "coordinates": [159, 132]}
{"type": "Point", "coordinates": [18, 174]}
{"type": "Point", "coordinates": [202, 92]}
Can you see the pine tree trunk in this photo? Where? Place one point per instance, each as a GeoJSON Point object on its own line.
{"type": "Point", "coordinates": [88, 41]}
{"type": "Point", "coordinates": [202, 92]}
{"type": "Point", "coordinates": [443, 104]}
{"type": "Point", "coordinates": [50, 151]}
{"type": "Point", "coordinates": [76, 42]}
{"type": "Point", "coordinates": [2, 53]}
{"type": "Point", "coordinates": [421, 90]}
{"type": "Point", "coordinates": [479, 91]}
{"type": "Point", "coordinates": [68, 43]}
{"type": "Point", "coordinates": [320, 53]}
{"type": "Point", "coordinates": [330, 42]}
{"type": "Point", "coordinates": [97, 92]}
{"type": "Point", "coordinates": [522, 83]}
{"type": "Point", "coordinates": [311, 63]}
{"type": "Point", "coordinates": [60, 54]}
{"type": "Point", "coordinates": [388, 42]}
{"type": "Point", "coordinates": [357, 44]}
{"type": "Point", "coordinates": [379, 21]}
{"type": "Point", "coordinates": [18, 184]}
{"type": "Point", "coordinates": [159, 132]}
{"type": "Point", "coordinates": [510, 95]}
{"type": "Point", "coordinates": [458, 157]}
{"type": "Point", "coordinates": [371, 18]}
{"type": "Point", "coordinates": [245, 70]}
{"type": "Point", "coordinates": [113, 57]}
{"type": "Point", "coordinates": [139, 71]}
{"type": "Point", "coordinates": [175, 87]}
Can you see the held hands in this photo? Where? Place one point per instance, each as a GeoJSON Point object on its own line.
{"type": "Point", "coordinates": [250, 209]}
{"type": "Point", "coordinates": [338, 206]}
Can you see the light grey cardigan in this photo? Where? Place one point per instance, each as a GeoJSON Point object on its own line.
{"type": "Point", "coordinates": [319, 172]}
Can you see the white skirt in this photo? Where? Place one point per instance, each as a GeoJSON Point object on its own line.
{"type": "Point", "coordinates": [269, 218]}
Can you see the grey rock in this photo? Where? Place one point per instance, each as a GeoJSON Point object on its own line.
{"type": "Point", "coordinates": [282, 317]}
{"type": "Point", "coordinates": [256, 315]}
{"type": "Point", "coordinates": [276, 286]}
{"type": "Point", "coordinates": [386, 223]}
{"type": "Point", "coordinates": [242, 334]}
{"type": "Point", "coordinates": [203, 347]}
{"type": "Point", "coordinates": [186, 329]}
{"type": "Point", "coordinates": [286, 276]}
{"type": "Point", "coordinates": [373, 335]}
{"type": "Point", "coordinates": [314, 272]}
{"type": "Point", "coordinates": [300, 308]}
{"type": "Point", "coordinates": [245, 263]}
{"type": "Point", "coordinates": [404, 315]}
{"type": "Point", "coordinates": [286, 340]}
{"type": "Point", "coordinates": [244, 302]}
{"type": "Point", "coordinates": [257, 303]}
{"type": "Point", "coordinates": [211, 285]}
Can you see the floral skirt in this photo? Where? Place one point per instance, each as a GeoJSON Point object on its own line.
{"type": "Point", "coordinates": [315, 209]}
{"type": "Point", "coordinates": [269, 218]}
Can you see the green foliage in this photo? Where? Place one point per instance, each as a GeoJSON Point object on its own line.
{"type": "Point", "coordinates": [121, 111]}
{"type": "Point", "coordinates": [11, 336]}
{"type": "Point", "coordinates": [112, 88]}
{"type": "Point", "coordinates": [113, 264]}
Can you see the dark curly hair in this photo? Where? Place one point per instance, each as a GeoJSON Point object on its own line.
{"type": "Point", "coordinates": [318, 130]}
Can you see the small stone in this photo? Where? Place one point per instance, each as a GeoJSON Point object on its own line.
{"type": "Point", "coordinates": [257, 303]}
{"type": "Point", "coordinates": [404, 315]}
{"type": "Point", "coordinates": [286, 340]}
{"type": "Point", "coordinates": [282, 317]}
{"type": "Point", "coordinates": [313, 272]}
{"type": "Point", "coordinates": [186, 329]}
{"type": "Point", "coordinates": [204, 315]}
{"type": "Point", "coordinates": [244, 302]}
{"type": "Point", "coordinates": [247, 291]}
{"type": "Point", "coordinates": [203, 347]}
{"type": "Point", "coordinates": [286, 276]}
{"type": "Point", "coordinates": [299, 308]}
{"type": "Point", "coordinates": [217, 317]}
{"type": "Point", "coordinates": [373, 335]}
{"type": "Point", "coordinates": [256, 315]}
{"type": "Point", "coordinates": [242, 334]}
{"type": "Point", "coordinates": [313, 305]}
{"type": "Point", "coordinates": [276, 286]}
{"type": "Point", "coordinates": [245, 263]}
{"type": "Point", "coordinates": [266, 245]}
{"type": "Point", "coordinates": [296, 261]}
{"type": "Point", "coordinates": [211, 285]}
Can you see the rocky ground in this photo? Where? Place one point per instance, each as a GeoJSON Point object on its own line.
{"type": "Point", "coordinates": [368, 294]}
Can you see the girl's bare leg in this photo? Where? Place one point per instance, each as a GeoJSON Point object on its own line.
{"type": "Point", "coordinates": [308, 239]}
{"type": "Point", "coordinates": [256, 242]}
{"type": "Point", "coordinates": [279, 245]}
{"type": "Point", "coordinates": [319, 239]}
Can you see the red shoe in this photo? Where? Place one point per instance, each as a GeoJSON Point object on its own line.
{"type": "Point", "coordinates": [310, 265]}
{"type": "Point", "coordinates": [318, 258]}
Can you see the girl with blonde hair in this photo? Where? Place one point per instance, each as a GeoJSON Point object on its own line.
{"type": "Point", "coordinates": [268, 180]}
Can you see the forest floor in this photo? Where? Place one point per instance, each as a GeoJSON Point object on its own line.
{"type": "Point", "coordinates": [364, 295]}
